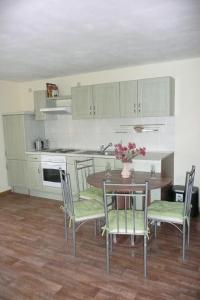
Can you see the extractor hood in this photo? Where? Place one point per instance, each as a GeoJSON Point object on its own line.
{"type": "Point", "coordinates": [57, 109]}
{"type": "Point", "coordinates": [58, 105]}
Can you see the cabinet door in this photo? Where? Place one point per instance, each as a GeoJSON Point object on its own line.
{"type": "Point", "coordinates": [82, 105]}
{"type": "Point", "coordinates": [39, 102]}
{"type": "Point", "coordinates": [106, 100]}
{"type": "Point", "coordinates": [17, 174]}
{"type": "Point", "coordinates": [128, 98]}
{"type": "Point", "coordinates": [34, 175]}
{"type": "Point", "coordinates": [14, 133]}
{"type": "Point", "coordinates": [155, 97]}
{"type": "Point", "coordinates": [101, 163]}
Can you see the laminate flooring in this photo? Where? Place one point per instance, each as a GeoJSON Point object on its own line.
{"type": "Point", "coordinates": [36, 264]}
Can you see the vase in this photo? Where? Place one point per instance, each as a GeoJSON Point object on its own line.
{"type": "Point", "coordinates": [126, 171]}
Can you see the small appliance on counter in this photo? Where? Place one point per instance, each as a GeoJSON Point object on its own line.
{"type": "Point", "coordinates": [41, 144]}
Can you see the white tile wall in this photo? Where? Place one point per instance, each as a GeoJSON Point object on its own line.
{"type": "Point", "coordinates": [90, 134]}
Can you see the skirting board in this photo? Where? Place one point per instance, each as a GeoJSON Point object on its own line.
{"type": "Point", "coordinates": [5, 193]}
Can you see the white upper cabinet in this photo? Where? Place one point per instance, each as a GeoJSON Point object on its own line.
{"type": "Point", "coordinates": [14, 134]}
{"type": "Point", "coordinates": [39, 102]}
{"type": "Point", "coordinates": [128, 98]}
{"type": "Point", "coordinates": [135, 98]}
{"type": "Point", "coordinates": [106, 100]}
{"type": "Point", "coordinates": [82, 103]}
{"type": "Point", "coordinates": [156, 97]}
{"type": "Point", "coordinates": [97, 101]}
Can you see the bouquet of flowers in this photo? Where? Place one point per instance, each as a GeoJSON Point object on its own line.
{"type": "Point", "coordinates": [127, 153]}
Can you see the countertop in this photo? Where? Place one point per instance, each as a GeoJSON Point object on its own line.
{"type": "Point", "coordinates": [151, 155]}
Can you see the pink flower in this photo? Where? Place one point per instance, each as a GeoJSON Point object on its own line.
{"type": "Point", "coordinates": [127, 153]}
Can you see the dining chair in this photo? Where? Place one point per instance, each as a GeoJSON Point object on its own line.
{"type": "Point", "coordinates": [78, 212]}
{"type": "Point", "coordinates": [125, 219]}
{"type": "Point", "coordinates": [83, 168]}
{"type": "Point", "coordinates": [175, 213]}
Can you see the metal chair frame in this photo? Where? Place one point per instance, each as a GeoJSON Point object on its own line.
{"type": "Point", "coordinates": [111, 204]}
{"type": "Point", "coordinates": [69, 212]}
{"type": "Point", "coordinates": [181, 226]}
{"type": "Point", "coordinates": [83, 168]}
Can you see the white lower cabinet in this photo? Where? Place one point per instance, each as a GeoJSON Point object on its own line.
{"type": "Point", "coordinates": [34, 175]}
{"type": "Point", "coordinates": [17, 175]}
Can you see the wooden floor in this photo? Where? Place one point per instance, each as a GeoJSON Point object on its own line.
{"type": "Point", "coordinates": [34, 263]}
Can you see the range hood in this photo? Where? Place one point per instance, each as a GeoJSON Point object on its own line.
{"type": "Point", "coordinates": [57, 109]}
{"type": "Point", "coordinates": [58, 105]}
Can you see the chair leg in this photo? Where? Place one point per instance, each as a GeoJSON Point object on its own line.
{"type": "Point", "coordinates": [111, 243]}
{"type": "Point", "coordinates": [155, 229]}
{"type": "Point", "coordinates": [145, 256]}
{"type": "Point", "coordinates": [65, 220]}
{"type": "Point", "coordinates": [107, 252]}
{"type": "Point", "coordinates": [183, 256]}
{"type": "Point", "coordinates": [95, 227]}
{"type": "Point", "coordinates": [74, 237]}
{"type": "Point", "coordinates": [188, 232]}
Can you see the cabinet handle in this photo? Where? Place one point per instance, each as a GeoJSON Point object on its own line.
{"type": "Point", "coordinates": [38, 170]}
{"type": "Point", "coordinates": [94, 109]}
{"type": "Point", "coordinates": [134, 108]}
{"type": "Point", "coordinates": [139, 107]}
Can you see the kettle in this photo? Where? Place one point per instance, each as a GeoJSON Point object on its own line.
{"type": "Point", "coordinates": [38, 144]}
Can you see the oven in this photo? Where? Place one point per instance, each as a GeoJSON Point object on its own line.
{"type": "Point", "coordinates": [50, 165]}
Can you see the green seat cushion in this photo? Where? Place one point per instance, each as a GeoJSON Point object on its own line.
{"type": "Point", "coordinates": [166, 211]}
{"type": "Point", "coordinates": [88, 209]}
{"type": "Point", "coordinates": [127, 225]}
{"type": "Point", "coordinates": [92, 193]}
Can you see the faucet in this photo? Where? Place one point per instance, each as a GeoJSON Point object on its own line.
{"type": "Point", "coordinates": [103, 148]}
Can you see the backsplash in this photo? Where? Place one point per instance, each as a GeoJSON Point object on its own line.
{"type": "Point", "coordinates": [63, 132]}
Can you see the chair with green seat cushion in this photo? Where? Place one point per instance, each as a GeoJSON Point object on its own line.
{"type": "Point", "coordinates": [175, 213]}
{"type": "Point", "coordinates": [83, 168]}
{"type": "Point", "coordinates": [78, 212]}
{"type": "Point", "coordinates": [121, 214]}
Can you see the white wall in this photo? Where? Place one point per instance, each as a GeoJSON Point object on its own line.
{"type": "Point", "coordinates": [19, 96]}
{"type": "Point", "coordinates": [8, 103]}
{"type": "Point", "coordinates": [187, 102]}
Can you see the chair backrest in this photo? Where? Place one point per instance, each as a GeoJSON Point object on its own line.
{"type": "Point", "coordinates": [121, 205]}
{"type": "Point", "coordinates": [67, 193]}
{"type": "Point", "coordinates": [83, 168]}
{"type": "Point", "coordinates": [188, 191]}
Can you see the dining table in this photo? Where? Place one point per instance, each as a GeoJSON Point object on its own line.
{"type": "Point", "coordinates": [155, 181]}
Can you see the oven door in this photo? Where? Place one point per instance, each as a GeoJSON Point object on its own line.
{"type": "Point", "coordinates": [51, 174]}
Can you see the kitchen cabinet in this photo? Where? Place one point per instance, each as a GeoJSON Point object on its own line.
{"type": "Point", "coordinates": [128, 99]}
{"type": "Point", "coordinates": [17, 175]}
{"type": "Point", "coordinates": [156, 97]}
{"type": "Point", "coordinates": [34, 174]}
{"type": "Point", "coordinates": [150, 97]}
{"type": "Point", "coordinates": [101, 163]}
{"type": "Point", "coordinates": [14, 134]}
{"type": "Point", "coordinates": [106, 100]}
{"type": "Point", "coordinates": [20, 131]}
{"type": "Point", "coordinates": [82, 102]}
{"type": "Point", "coordinates": [97, 101]}
{"type": "Point", "coordinates": [39, 102]}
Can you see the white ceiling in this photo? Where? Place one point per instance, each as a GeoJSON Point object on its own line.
{"type": "Point", "coordinates": [50, 38]}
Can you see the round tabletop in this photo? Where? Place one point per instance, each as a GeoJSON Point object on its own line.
{"type": "Point", "coordinates": [155, 182]}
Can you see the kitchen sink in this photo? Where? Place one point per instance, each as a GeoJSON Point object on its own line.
{"type": "Point", "coordinates": [96, 152]}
